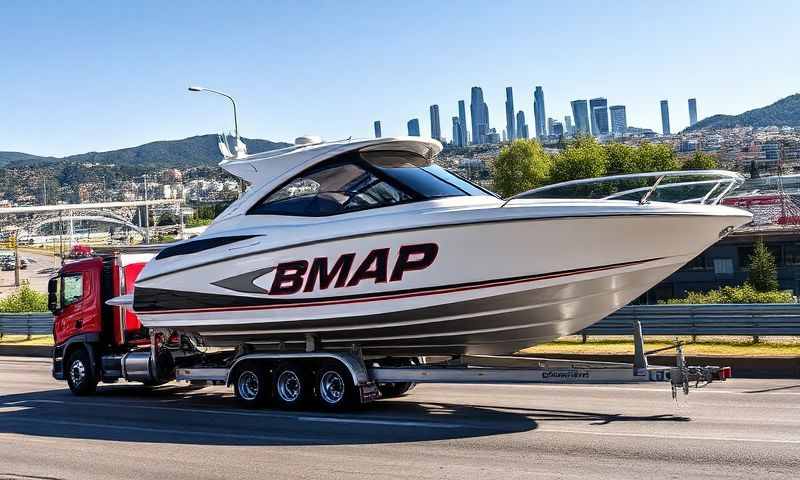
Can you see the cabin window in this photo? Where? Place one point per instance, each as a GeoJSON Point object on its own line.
{"type": "Point", "coordinates": [330, 190]}
{"type": "Point", "coordinates": [72, 289]}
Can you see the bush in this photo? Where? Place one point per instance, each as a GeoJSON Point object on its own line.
{"type": "Point", "coordinates": [700, 161]}
{"type": "Point", "coordinates": [521, 166]}
{"type": "Point", "coordinates": [584, 158]}
{"type": "Point", "coordinates": [763, 273]}
{"type": "Point", "coordinates": [25, 299]}
{"type": "Point", "coordinates": [741, 294]}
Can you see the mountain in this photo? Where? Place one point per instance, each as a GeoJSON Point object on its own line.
{"type": "Point", "coordinates": [783, 113]}
{"type": "Point", "coordinates": [188, 152]}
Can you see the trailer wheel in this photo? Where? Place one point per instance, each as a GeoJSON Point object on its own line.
{"type": "Point", "coordinates": [393, 390]}
{"type": "Point", "coordinates": [81, 377]}
{"type": "Point", "coordinates": [335, 387]}
{"type": "Point", "coordinates": [251, 386]}
{"type": "Point", "coordinates": [290, 386]}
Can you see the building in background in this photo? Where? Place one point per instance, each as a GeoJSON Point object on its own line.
{"type": "Point", "coordinates": [619, 120]}
{"type": "Point", "coordinates": [377, 127]}
{"type": "Point", "coordinates": [511, 130]}
{"type": "Point", "coordinates": [492, 137]}
{"type": "Point", "coordinates": [458, 140]}
{"type": "Point", "coordinates": [522, 127]}
{"type": "Point", "coordinates": [568, 127]}
{"type": "Point", "coordinates": [479, 112]}
{"type": "Point", "coordinates": [692, 111]}
{"type": "Point", "coordinates": [665, 117]}
{"type": "Point", "coordinates": [462, 122]}
{"type": "Point", "coordinates": [599, 110]}
{"type": "Point", "coordinates": [436, 128]}
{"type": "Point", "coordinates": [556, 128]}
{"type": "Point", "coordinates": [539, 115]}
{"type": "Point", "coordinates": [580, 112]}
{"type": "Point", "coordinates": [413, 127]}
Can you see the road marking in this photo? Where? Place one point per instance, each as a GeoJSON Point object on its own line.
{"type": "Point", "coordinates": [647, 387]}
{"type": "Point", "coordinates": [302, 418]}
{"type": "Point", "coordinates": [666, 436]}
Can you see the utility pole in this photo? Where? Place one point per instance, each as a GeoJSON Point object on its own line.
{"type": "Point", "coordinates": [16, 258]}
{"type": "Point", "coordinates": [146, 214]}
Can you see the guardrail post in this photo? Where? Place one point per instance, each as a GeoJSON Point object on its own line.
{"type": "Point", "coordinates": [756, 339]}
{"type": "Point", "coordinates": [28, 324]}
{"type": "Point", "coordinates": [584, 337]}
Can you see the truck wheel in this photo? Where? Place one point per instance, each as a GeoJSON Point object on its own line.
{"type": "Point", "coordinates": [290, 387]}
{"type": "Point", "coordinates": [251, 386]}
{"type": "Point", "coordinates": [392, 390]}
{"type": "Point", "coordinates": [335, 387]}
{"type": "Point", "coordinates": [81, 377]}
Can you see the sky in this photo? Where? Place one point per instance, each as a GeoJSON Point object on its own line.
{"type": "Point", "coordinates": [95, 76]}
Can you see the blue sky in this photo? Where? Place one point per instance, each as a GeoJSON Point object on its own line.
{"type": "Point", "coordinates": [84, 76]}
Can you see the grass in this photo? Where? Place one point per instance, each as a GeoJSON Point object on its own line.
{"type": "Point", "coordinates": [722, 346]}
{"type": "Point", "coordinates": [22, 340]}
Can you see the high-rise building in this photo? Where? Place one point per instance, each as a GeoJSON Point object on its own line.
{"type": "Point", "coordinates": [479, 112]}
{"type": "Point", "coordinates": [462, 122]}
{"type": "Point", "coordinates": [458, 140]}
{"type": "Point", "coordinates": [539, 114]}
{"type": "Point", "coordinates": [692, 111]}
{"type": "Point", "coordinates": [556, 128]}
{"type": "Point", "coordinates": [550, 125]}
{"type": "Point", "coordinates": [580, 112]}
{"type": "Point", "coordinates": [522, 127]}
{"type": "Point", "coordinates": [413, 127]}
{"type": "Point", "coordinates": [599, 110]}
{"type": "Point", "coordinates": [436, 128]}
{"type": "Point", "coordinates": [511, 131]}
{"type": "Point", "coordinates": [619, 120]}
{"type": "Point", "coordinates": [568, 128]}
{"type": "Point", "coordinates": [665, 117]}
{"type": "Point", "coordinates": [377, 126]}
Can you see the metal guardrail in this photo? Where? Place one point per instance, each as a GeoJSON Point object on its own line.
{"type": "Point", "coordinates": [729, 320]}
{"type": "Point", "coordinates": [751, 320]}
{"type": "Point", "coordinates": [26, 324]}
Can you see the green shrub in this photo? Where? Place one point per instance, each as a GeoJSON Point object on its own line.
{"type": "Point", "coordinates": [741, 294]}
{"type": "Point", "coordinates": [25, 299]}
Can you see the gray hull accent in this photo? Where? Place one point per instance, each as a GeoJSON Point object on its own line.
{"type": "Point", "coordinates": [497, 325]}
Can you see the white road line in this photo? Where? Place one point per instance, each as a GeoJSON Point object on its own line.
{"type": "Point", "coordinates": [667, 437]}
{"type": "Point", "coordinates": [651, 387]}
{"type": "Point", "coordinates": [302, 418]}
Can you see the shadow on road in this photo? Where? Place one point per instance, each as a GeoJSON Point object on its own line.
{"type": "Point", "coordinates": [208, 416]}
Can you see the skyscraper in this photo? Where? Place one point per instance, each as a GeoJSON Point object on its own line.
{"type": "Point", "coordinates": [580, 112]}
{"type": "Point", "coordinates": [522, 127]}
{"type": "Point", "coordinates": [692, 111]}
{"type": "Point", "coordinates": [665, 117]}
{"type": "Point", "coordinates": [568, 128]}
{"type": "Point", "coordinates": [511, 130]}
{"type": "Point", "coordinates": [436, 128]}
{"type": "Point", "coordinates": [550, 125]}
{"type": "Point", "coordinates": [458, 140]}
{"type": "Point", "coordinates": [556, 128]}
{"type": "Point", "coordinates": [462, 122]}
{"type": "Point", "coordinates": [619, 120]}
{"type": "Point", "coordinates": [377, 126]}
{"type": "Point", "coordinates": [480, 116]}
{"type": "Point", "coordinates": [539, 115]}
{"type": "Point", "coordinates": [599, 109]}
{"type": "Point", "coordinates": [413, 127]}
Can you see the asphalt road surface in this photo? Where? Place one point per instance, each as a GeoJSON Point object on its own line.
{"type": "Point", "coordinates": [40, 268]}
{"type": "Point", "coordinates": [737, 429]}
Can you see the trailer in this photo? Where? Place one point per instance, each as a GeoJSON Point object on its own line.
{"type": "Point", "coordinates": [96, 341]}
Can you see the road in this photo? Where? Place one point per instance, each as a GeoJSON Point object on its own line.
{"type": "Point", "coordinates": [737, 429]}
{"type": "Point", "coordinates": [40, 268]}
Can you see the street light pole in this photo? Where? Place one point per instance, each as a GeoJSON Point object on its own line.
{"type": "Point", "coordinates": [146, 214]}
{"type": "Point", "coordinates": [240, 148]}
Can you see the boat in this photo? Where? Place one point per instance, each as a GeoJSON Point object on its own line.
{"type": "Point", "coordinates": [370, 245]}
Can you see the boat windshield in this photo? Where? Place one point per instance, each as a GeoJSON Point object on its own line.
{"type": "Point", "coordinates": [421, 175]}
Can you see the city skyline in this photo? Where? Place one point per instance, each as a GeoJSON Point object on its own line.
{"type": "Point", "coordinates": [117, 74]}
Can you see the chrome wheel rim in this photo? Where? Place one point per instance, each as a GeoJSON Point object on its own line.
{"type": "Point", "coordinates": [77, 371]}
{"type": "Point", "coordinates": [289, 387]}
{"type": "Point", "coordinates": [331, 387]}
{"type": "Point", "coordinates": [248, 385]}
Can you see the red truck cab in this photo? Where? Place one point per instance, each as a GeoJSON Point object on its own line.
{"type": "Point", "coordinates": [85, 329]}
{"type": "Point", "coordinates": [81, 251]}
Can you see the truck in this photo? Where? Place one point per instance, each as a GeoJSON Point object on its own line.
{"type": "Point", "coordinates": [97, 341]}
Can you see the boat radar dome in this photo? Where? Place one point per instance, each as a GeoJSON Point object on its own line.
{"type": "Point", "coordinates": [308, 140]}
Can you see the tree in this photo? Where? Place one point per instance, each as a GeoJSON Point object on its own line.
{"type": "Point", "coordinates": [584, 158]}
{"type": "Point", "coordinates": [700, 161]}
{"type": "Point", "coordinates": [763, 273]}
{"type": "Point", "coordinates": [167, 218]}
{"type": "Point", "coordinates": [655, 158]}
{"type": "Point", "coordinates": [521, 166]}
{"type": "Point", "coordinates": [621, 159]}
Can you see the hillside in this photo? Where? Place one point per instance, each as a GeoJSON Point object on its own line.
{"type": "Point", "coordinates": [783, 113]}
{"type": "Point", "coordinates": [188, 152]}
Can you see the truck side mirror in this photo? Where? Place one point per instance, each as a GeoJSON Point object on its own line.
{"type": "Point", "coordinates": [53, 303]}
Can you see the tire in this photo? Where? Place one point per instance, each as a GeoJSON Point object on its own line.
{"type": "Point", "coordinates": [81, 377]}
{"type": "Point", "coordinates": [335, 389]}
{"type": "Point", "coordinates": [393, 390]}
{"type": "Point", "coordinates": [251, 386]}
{"type": "Point", "coordinates": [290, 386]}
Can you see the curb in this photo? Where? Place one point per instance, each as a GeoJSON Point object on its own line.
{"type": "Point", "coordinates": [26, 351]}
{"type": "Point", "coordinates": [743, 367]}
